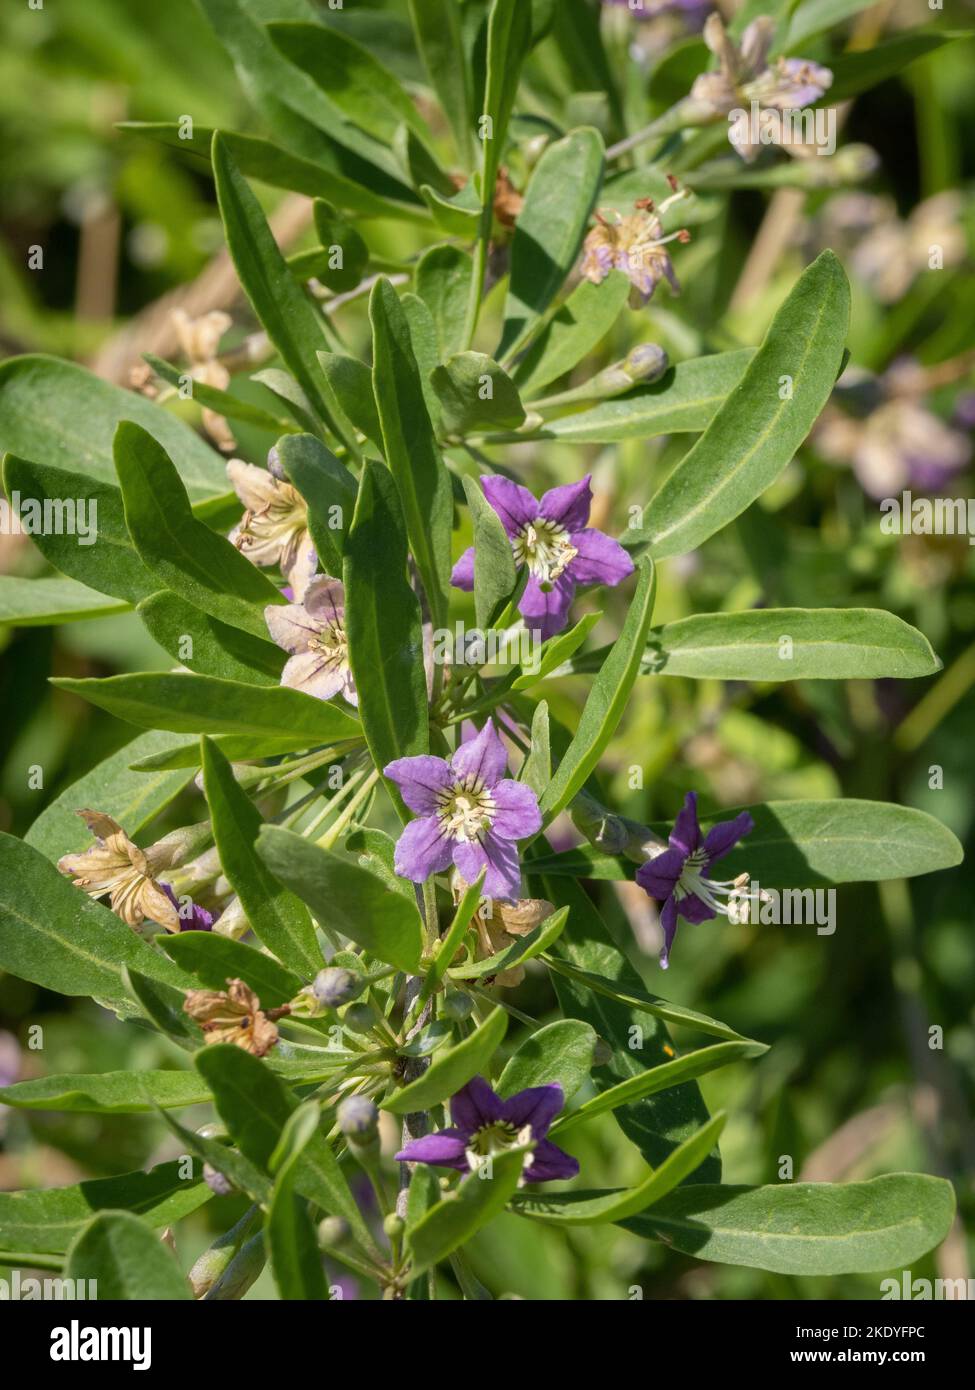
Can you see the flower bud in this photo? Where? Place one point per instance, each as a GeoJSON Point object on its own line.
{"type": "Point", "coordinates": [335, 986]}
{"type": "Point", "coordinates": [394, 1226]}
{"type": "Point", "coordinates": [180, 845]}
{"type": "Point", "coordinates": [332, 1231]}
{"type": "Point", "coordinates": [232, 922]}
{"type": "Point", "coordinates": [602, 1053]}
{"type": "Point", "coordinates": [216, 1181]}
{"type": "Point", "coordinates": [243, 1271]}
{"type": "Point", "coordinates": [358, 1119]}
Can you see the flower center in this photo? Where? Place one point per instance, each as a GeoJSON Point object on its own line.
{"type": "Point", "coordinates": [494, 1138]}
{"type": "Point", "coordinates": [332, 643]}
{"type": "Point", "coordinates": [466, 809]}
{"type": "Point", "coordinates": [736, 892]}
{"type": "Point", "coordinates": [546, 548]}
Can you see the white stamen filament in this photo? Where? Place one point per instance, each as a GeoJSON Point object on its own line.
{"type": "Point", "coordinates": [466, 810]}
{"type": "Point", "coordinates": [545, 547]}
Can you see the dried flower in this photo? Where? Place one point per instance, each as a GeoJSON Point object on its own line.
{"type": "Point", "coordinates": [199, 340]}
{"type": "Point", "coordinates": [634, 244]}
{"type": "Point", "coordinates": [500, 924]}
{"type": "Point", "coordinates": [116, 867]}
{"type": "Point", "coordinates": [274, 527]}
{"type": "Point", "coordinates": [232, 1016]}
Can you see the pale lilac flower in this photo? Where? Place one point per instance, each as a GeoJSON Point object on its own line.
{"type": "Point", "coordinates": [314, 633]}
{"type": "Point", "coordinates": [551, 537]}
{"type": "Point", "coordinates": [485, 1125]}
{"type": "Point", "coordinates": [274, 527]}
{"type": "Point", "coordinates": [469, 814]}
{"type": "Point", "coordinates": [677, 877]}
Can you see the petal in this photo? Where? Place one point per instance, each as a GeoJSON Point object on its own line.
{"type": "Point", "coordinates": [658, 876]}
{"type": "Point", "coordinates": [314, 674]}
{"type": "Point", "coordinates": [517, 815]}
{"type": "Point", "coordinates": [419, 780]}
{"type": "Point", "coordinates": [550, 1163]}
{"type": "Point", "coordinates": [290, 626]}
{"type": "Point", "coordinates": [462, 576]}
{"type": "Point", "coordinates": [325, 600]}
{"type": "Point", "coordinates": [546, 612]}
{"type": "Point", "coordinates": [482, 756]}
{"type": "Point", "coordinates": [600, 560]}
{"type": "Point", "coordinates": [474, 1106]}
{"type": "Point", "coordinates": [569, 505]}
{"type": "Point", "coordinates": [301, 571]}
{"type": "Point", "coordinates": [513, 503]}
{"type": "Point", "coordinates": [422, 850]}
{"type": "Point", "coordinates": [255, 487]}
{"type": "Point", "coordinates": [721, 838]}
{"type": "Point", "coordinates": [538, 1107]}
{"type": "Point", "coordinates": [693, 909]}
{"type": "Point", "coordinates": [668, 922]}
{"type": "Point", "coordinates": [686, 834]}
{"type": "Point", "coordinates": [500, 857]}
{"type": "Point", "coordinates": [445, 1149]}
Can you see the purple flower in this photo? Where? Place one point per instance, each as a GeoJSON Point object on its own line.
{"type": "Point", "coordinates": [677, 877]}
{"type": "Point", "coordinates": [469, 814]}
{"type": "Point", "coordinates": [197, 919]}
{"type": "Point", "coordinates": [550, 537]}
{"type": "Point", "coordinates": [484, 1124]}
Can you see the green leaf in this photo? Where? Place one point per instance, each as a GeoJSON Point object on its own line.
{"type": "Point", "coordinates": [131, 798]}
{"type": "Point", "coordinates": [163, 1006]}
{"type": "Point", "coordinates": [558, 650]}
{"type": "Point", "coordinates": [599, 1208]}
{"type": "Point", "coordinates": [187, 703]}
{"type": "Point", "coordinates": [223, 402]}
{"type": "Point", "coordinates": [330, 491]}
{"type": "Point", "coordinates": [438, 39]}
{"type": "Point", "coordinates": [182, 552]}
{"type": "Point", "coordinates": [111, 1093]}
{"type": "Point", "coordinates": [409, 445]}
{"type": "Point", "coordinates": [292, 1246]}
{"type": "Point", "coordinates": [53, 412]}
{"type": "Point", "coordinates": [476, 395]}
{"type": "Point", "coordinates": [856, 72]}
{"type": "Point", "coordinates": [214, 959]}
{"type": "Point", "coordinates": [776, 644]}
{"type": "Point", "coordinates": [661, 1078]}
{"type": "Point", "coordinates": [684, 400]}
{"type": "Point", "coordinates": [757, 430]}
{"type": "Point", "coordinates": [606, 701]}
{"type": "Point", "coordinates": [495, 575]}
{"type": "Point", "coordinates": [807, 1228]}
{"type": "Point", "coordinates": [367, 92]}
{"type": "Point", "coordinates": [578, 326]}
{"type": "Point", "coordinates": [102, 555]}
{"type": "Point", "coordinates": [549, 231]}
{"type": "Point", "coordinates": [376, 851]}
{"type": "Point", "coordinates": [526, 947]}
{"type": "Point", "coordinates": [255, 1106]}
{"type": "Point", "coordinates": [453, 1221]}
{"type": "Point", "coordinates": [56, 936]}
{"type": "Point", "coordinates": [509, 32]}
{"type": "Point", "coordinates": [536, 771]}
{"type": "Point", "coordinates": [561, 1051]}
{"type": "Point", "coordinates": [457, 216]}
{"type": "Point", "coordinates": [279, 919]}
{"type": "Point", "coordinates": [221, 1156]}
{"type": "Point", "coordinates": [45, 602]}
{"type": "Point", "coordinates": [127, 1260]}
{"type": "Point", "coordinates": [443, 281]}
{"type": "Point", "coordinates": [337, 234]}
{"type": "Point", "coordinates": [205, 644]}
{"type": "Point", "coordinates": [384, 626]}
{"type": "Point", "coordinates": [294, 327]}
{"type": "Point", "coordinates": [46, 1220]}
{"type": "Point", "coordinates": [451, 1070]}
{"type": "Point", "coordinates": [350, 381]}
{"type": "Point", "coordinates": [450, 942]}
{"type": "Point", "coordinates": [345, 897]}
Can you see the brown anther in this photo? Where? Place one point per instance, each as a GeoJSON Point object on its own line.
{"type": "Point", "coordinates": [674, 185]}
{"type": "Point", "coordinates": [683, 236]}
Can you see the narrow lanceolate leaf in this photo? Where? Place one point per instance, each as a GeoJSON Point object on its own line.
{"type": "Point", "coordinates": [187, 703]}
{"type": "Point", "coordinates": [763, 421]}
{"type": "Point", "coordinates": [573, 331]}
{"type": "Point", "coordinates": [56, 936]}
{"type": "Point", "coordinates": [126, 1260]}
{"type": "Point", "coordinates": [606, 701]}
{"type": "Point", "coordinates": [131, 798]}
{"type": "Point", "coordinates": [443, 282]}
{"type": "Point", "coordinates": [214, 959]}
{"type": "Point", "coordinates": [223, 402]}
{"type": "Point", "coordinates": [806, 844]}
{"type": "Point", "coordinates": [508, 42]}
{"type": "Point", "coordinates": [451, 1070]}
{"type": "Point", "coordinates": [221, 1156]}
{"type": "Point", "coordinates": [558, 650]}
{"type": "Point", "coordinates": [536, 770]}
{"type": "Point", "coordinates": [494, 563]}
{"type": "Point", "coordinates": [684, 400]}
{"type": "Point", "coordinates": [437, 28]}
{"type": "Point", "coordinates": [804, 1227]}
{"type": "Point", "coordinates": [55, 413]}
{"type": "Point", "coordinates": [163, 1006]}
{"type": "Point", "coordinates": [44, 602]}
{"type": "Point", "coordinates": [206, 645]}
{"type": "Point", "coordinates": [655, 1079]}
{"type": "Point", "coordinates": [182, 552]}
{"type": "Point", "coordinates": [783, 644]}
{"type": "Point", "coordinates": [296, 1260]}
{"type": "Point", "coordinates": [638, 999]}
{"type": "Point", "coordinates": [330, 491]}
{"type": "Point", "coordinates": [384, 626]}
{"type": "Point", "coordinates": [292, 324]}
{"type": "Point", "coordinates": [409, 444]}
{"type": "Point", "coordinates": [349, 381]}
{"type": "Point", "coordinates": [453, 1221]}
{"type": "Point", "coordinates": [83, 532]}
{"type": "Point", "coordinates": [476, 395]}
{"type": "Point", "coordinates": [857, 71]}
{"type": "Point", "coordinates": [561, 1051]}
{"type": "Point", "coordinates": [280, 920]}
{"type": "Point", "coordinates": [255, 1106]}
{"type": "Point", "coordinates": [111, 1093]}
{"type": "Point", "coordinates": [346, 897]}
{"type": "Point", "coordinates": [599, 1208]}
{"type": "Point", "coordinates": [549, 230]}
{"type": "Point", "coordinates": [46, 1220]}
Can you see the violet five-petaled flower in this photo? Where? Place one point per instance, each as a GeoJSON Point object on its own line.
{"type": "Point", "coordinates": [469, 814]}
{"type": "Point", "coordinates": [485, 1125]}
{"type": "Point", "coordinates": [678, 876]}
{"type": "Point", "coordinates": [552, 538]}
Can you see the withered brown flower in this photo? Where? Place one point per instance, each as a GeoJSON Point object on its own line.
{"type": "Point", "coordinates": [232, 1016]}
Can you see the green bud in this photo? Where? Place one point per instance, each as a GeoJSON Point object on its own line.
{"type": "Point", "coordinates": [332, 1231]}
{"type": "Point", "coordinates": [457, 1005]}
{"type": "Point", "coordinates": [241, 1273]}
{"type": "Point", "coordinates": [394, 1226]}
{"type": "Point", "coordinates": [335, 986]}
{"type": "Point", "coordinates": [358, 1119]}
